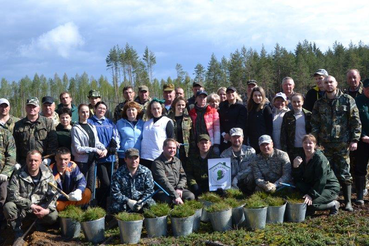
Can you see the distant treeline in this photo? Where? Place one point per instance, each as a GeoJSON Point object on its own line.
{"type": "Point", "coordinates": [127, 68]}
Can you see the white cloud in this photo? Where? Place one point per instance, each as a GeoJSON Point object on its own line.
{"type": "Point", "coordinates": [62, 40]}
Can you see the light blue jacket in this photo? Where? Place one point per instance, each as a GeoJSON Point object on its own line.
{"type": "Point", "coordinates": [130, 135]}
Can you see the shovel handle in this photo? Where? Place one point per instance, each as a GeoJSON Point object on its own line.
{"type": "Point", "coordinates": [59, 190]}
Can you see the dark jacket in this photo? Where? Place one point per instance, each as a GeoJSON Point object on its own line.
{"type": "Point", "coordinates": [259, 123]}
{"type": "Point", "coordinates": [311, 97]}
{"type": "Point", "coordinates": [234, 115]}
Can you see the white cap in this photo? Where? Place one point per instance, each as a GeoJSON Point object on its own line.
{"type": "Point", "coordinates": [4, 100]}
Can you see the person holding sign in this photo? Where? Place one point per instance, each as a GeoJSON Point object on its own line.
{"type": "Point", "coordinates": [271, 166]}
{"type": "Point", "coordinates": [167, 170]}
{"type": "Point", "coordinates": [197, 165]}
{"type": "Point", "coordinates": [241, 157]}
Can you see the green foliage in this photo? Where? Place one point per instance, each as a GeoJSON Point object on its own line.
{"type": "Point", "coordinates": [124, 216]}
{"type": "Point", "coordinates": [157, 210]}
{"type": "Point", "coordinates": [235, 193]}
{"type": "Point", "coordinates": [71, 212]}
{"type": "Point", "coordinates": [295, 197]}
{"type": "Point", "coordinates": [194, 204]}
{"type": "Point", "coordinates": [234, 203]}
{"type": "Point", "coordinates": [274, 201]}
{"type": "Point", "coordinates": [182, 211]}
{"type": "Point", "coordinates": [218, 207]}
{"type": "Point", "coordinates": [256, 201]}
{"type": "Point", "coordinates": [210, 197]}
{"type": "Point", "coordinates": [92, 214]}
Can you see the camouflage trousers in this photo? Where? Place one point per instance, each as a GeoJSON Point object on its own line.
{"type": "Point", "coordinates": [339, 159]}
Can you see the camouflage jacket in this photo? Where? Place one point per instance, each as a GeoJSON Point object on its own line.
{"type": "Point", "coordinates": [186, 130]}
{"type": "Point", "coordinates": [23, 192]}
{"type": "Point", "coordinates": [197, 169]}
{"type": "Point", "coordinates": [39, 135]}
{"type": "Point", "coordinates": [288, 129]}
{"type": "Point", "coordinates": [7, 152]}
{"type": "Point", "coordinates": [10, 123]}
{"type": "Point", "coordinates": [169, 174]}
{"type": "Point", "coordinates": [356, 93]}
{"type": "Point", "coordinates": [118, 111]}
{"type": "Point", "coordinates": [275, 168]}
{"type": "Point", "coordinates": [144, 106]}
{"type": "Point", "coordinates": [124, 186]}
{"type": "Point", "coordinates": [240, 166]}
{"type": "Point", "coordinates": [336, 120]}
{"type": "Point", "coordinates": [55, 118]}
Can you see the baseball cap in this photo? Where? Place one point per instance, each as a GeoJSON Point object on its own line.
{"type": "Point", "coordinates": [194, 84]}
{"type": "Point", "coordinates": [322, 72]}
{"type": "Point", "coordinates": [47, 99]}
{"type": "Point", "coordinates": [251, 82]}
{"type": "Point", "coordinates": [168, 87]}
{"type": "Point", "coordinates": [33, 101]}
{"type": "Point", "coordinates": [4, 100]}
{"type": "Point", "coordinates": [143, 88]}
{"type": "Point", "coordinates": [236, 131]}
{"type": "Point", "coordinates": [365, 84]}
{"type": "Point", "coordinates": [199, 93]}
{"type": "Point", "coordinates": [265, 139]}
{"type": "Point", "coordinates": [94, 93]}
{"type": "Point", "coordinates": [231, 88]}
{"type": "Point", "coordinates": [281, 95]}
{"type": "Point", "coordinates": [132, 152]}
{"type": "Point", "coordinates": [203, 137]}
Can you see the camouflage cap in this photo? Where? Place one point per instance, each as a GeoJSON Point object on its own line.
{"type": "Point", "coordinates": [94, 93]}
{"type": "Point", "coordinates": [143, 88]}
{"type": "Point", "coordinates": [33, 101]}
{"type": "Point", "coordinates": [168, 87]}
{"type": "Point", "coordinates": [132, 152]}
{"type": "Point", "coordinates": [203, 137]}
{"type": "Point", "coordinates": [252, 82]}
{"type": "Point", "coordinates": [265, 139]}
{"type": "Point", "coordinates": [236, 131]}
{"type": "Point", "coordinates": [365, 84]}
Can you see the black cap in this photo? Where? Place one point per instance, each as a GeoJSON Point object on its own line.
{"type": "Point", "coordinates": [231, 88]}
{"type": "Point", "coordinates": [131, 152]}
{"type": "Point", "coordinates": [366, 83]}
{"type": "Point", "coordinates": [194, 84]}
{"type": "Point", "coordinates": [199, 93]}
{"type": "Point", "coordinates": [48, 99]}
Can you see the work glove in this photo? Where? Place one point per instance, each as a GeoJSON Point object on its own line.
{"type": "Point", "coordinates": [17, 166]}
{"type": "Point", "coordinates": [138, 206]}
{"type": "Point", "coordinates": [75, 196]}
{"type": "Point", "coordinates": [270, 187]}
{"type": "Point", "coordinates": [46, 162]}
{"type": "Point", "coordinates": [235, 183]}
{"type": "Point", "coordinates": [131, 203]}
{"type": "Point", "coordinates": [3, 178]}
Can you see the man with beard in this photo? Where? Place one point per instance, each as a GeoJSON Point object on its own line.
{"type": "Point", "coordinates": [336, 125]}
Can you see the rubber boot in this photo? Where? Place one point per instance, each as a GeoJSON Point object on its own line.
{"type": "Point", "coordinates": [17, 228]}
{"type": "Point", "coordinates": [360, 185]}
{"type": "Point", "coordinates": [346, 188]}
{"type": "Point", "coordinates": [334, 207]}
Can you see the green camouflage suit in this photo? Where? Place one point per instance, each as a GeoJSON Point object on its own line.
{"type": "Point", "coordinates": [39, 135]}
{"type": "Point", "coordinates": [336, 123]}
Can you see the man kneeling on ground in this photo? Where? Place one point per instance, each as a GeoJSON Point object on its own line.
{"type": "Point", "coordinates": [69, 179]}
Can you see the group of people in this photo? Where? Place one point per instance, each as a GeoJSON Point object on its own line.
{"type": "Point", "coordinates": [305, 141]}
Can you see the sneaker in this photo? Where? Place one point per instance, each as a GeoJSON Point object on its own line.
{"type": "Point", "coordinates": [334, 210]}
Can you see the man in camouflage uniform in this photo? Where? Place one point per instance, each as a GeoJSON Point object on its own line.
{"type": "Point", "coordinates": [131, 184]}
{"type": "Point", "coordinates": [7, 163]}
{"type": "Point", "coordinates": [355, 86]}
{"type": "Point", "coordinates": [129, 96]}
{"type": "Point", "coordinates": [29, 194]}
{"type": "Point", "coordinates": [197, 165]}
{"type": "Point", "coordinates": [34, 132]}
{"type": "Point", "coordinates": [168, 171]}
{"type": "Point", "coordinates": [336, 125]}
{"type": "Point", "coordinates": [271, 166]}
{"type": "Point", "coordinates": [7, 121]}
{"type": "Point", "coordinates": [48, 110]}
{"type": "Point", "coordinates": [143, 99]}
{"type": "Point", "coordinates": [241, 159]}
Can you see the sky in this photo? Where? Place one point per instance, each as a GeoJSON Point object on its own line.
{"type": "Point", "coordinates": [72, 37]}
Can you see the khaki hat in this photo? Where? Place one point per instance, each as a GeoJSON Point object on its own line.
{"type": "Point", "coordinates": [33, 101]}
{"type": "Point", "coordinates": [236, 131]}
{"type": "Point", "coordinates": [4, 101]}
{"type": "Point", "coordinates": [203, 137]}
{"type": "Point", "coordinates": [194, 84]}
{"type": "Point", "coordinates": [265, 139]}
{"type": "Point", "coordinates": [168, 87]}
{"type": "Point", "coordinates": [94, 93]}
{"type": "Point", "coordinates": [143, 88]}
{"type": "Point", "coordinates": [131, 152]}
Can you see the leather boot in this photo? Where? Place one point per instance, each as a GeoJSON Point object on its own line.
{"type": "Point", "coordinates": [360, 185]}
{"type": "Point", "coordinates": [346, 188]}
{"type": "Point", "coordinates": [17, 228]}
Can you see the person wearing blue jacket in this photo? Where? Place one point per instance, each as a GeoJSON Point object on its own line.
{"type": "Point", "coordinates": [130, 129]}
{"type": "Point", "coordinates": [109, 137]}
